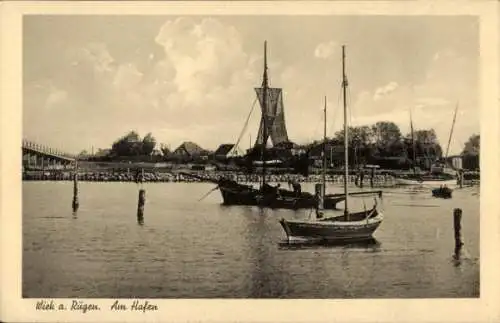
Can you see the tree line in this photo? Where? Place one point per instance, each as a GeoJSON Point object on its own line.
{"type": "Point", "coordinates": [385, 140]}
{"type": "Point", "coordinates": [368, 143]}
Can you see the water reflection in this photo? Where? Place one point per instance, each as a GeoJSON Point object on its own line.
{"type": "Point", "coordinates": [267, 278]}
{"type": "Point", "coordinates": [369, 244]}
{"type": "Point", "coordinates": [235, 252]}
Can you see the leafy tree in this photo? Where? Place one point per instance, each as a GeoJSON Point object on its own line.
{"type": "Point", "coordinates": [472, 146]}
{"type": "Point", "coordinates": [386, 132]}
{"type": "Point", "coordinates": [471, 152]}
{"type": "Point", "coordinates": [386, 139]}
{"type": "Point", "coordinates": [148, 144]}
{"type": "Point", "coordinates": [128, 145]}
{"type": "Point", "coordinates": [425, 147]}
{"type": "Point", "coordinates": [165, 149]}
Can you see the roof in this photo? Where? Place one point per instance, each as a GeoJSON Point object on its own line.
{"type": "Point", "coordinates": [102, 152]}
{"type": "Point", "coordinates": [224, 149]}
{"type": "Point", "coordinates": [317, 149]}
{"type": "Point", "coordinates": [189, 148]}
{"type": "Point", "coordinates": [454, 156]}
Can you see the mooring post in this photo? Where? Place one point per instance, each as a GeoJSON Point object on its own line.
{"type": "Point", "coordinates": [75, 203]}
{"type": "Point", "coordinates": [140, 206]}
{"type": "Point", "coordinates": [372, 176]}
{"type": "Point", "coordinates": [361, 177]}
{"type": "Point", "coordinates": [457, 225]}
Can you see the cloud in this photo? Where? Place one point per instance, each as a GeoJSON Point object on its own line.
{"type": "Point", "coordinates": [449, 79]}
{"type": "Point", "coordinates": [325, 50]}
{"type": "Point", "coordinates": [385, 90]}
{"type": "Point", "coordinates": [55, 97]}
{"type": "Point", "coordinates": [127, 78]}
{"type": "Point", "coordinates": [211, 73]}
{"type": "Point", "coordinates": [432, 101]}
{"type": "Point", "coordinates": [194, 78]}
{"type": "Point", "coordinates": [204, 77]}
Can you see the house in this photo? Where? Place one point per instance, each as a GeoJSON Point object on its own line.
{"type": "Point", "coordinates": [222, 152]}
{"type": "Point", "coordinates": [156, 152]}
{"type": "Point", "coordinates": [189, 150]}
{"type": "Point", "coordinates": [102, 153]}
{"type": "Point", "coordinates": [454, 161]}
{"type": "Point", "coordinates": [464, 161]}
{"type": "Point", "coordinates": [334, 153]}
{"type": "Point", "coordinates": [297, 149]}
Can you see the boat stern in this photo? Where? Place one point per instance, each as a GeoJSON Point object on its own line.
{"type": "Point", "coordinates": [286, 228]}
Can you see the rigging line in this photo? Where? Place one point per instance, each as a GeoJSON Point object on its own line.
{"type": "Point", "coordinates": [333, 119]}
{"type": "Point", "coordinates": [349, 101]}
{"type": "Point", "coordinates": [245, 126]}
{"type": "Point", "coordinates": [451, 131]}
{"type": "Point", "coordinates": [316, 128]}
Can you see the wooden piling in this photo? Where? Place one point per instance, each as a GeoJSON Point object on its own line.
{"type": "Point", "coordinates": [75, 203]}
{"type": "Point", "coordinates": [140, 206]}
{"type": "Point", "coordinates": [372, 176]}
{"type": "Point", "coordinates": [457, 225]}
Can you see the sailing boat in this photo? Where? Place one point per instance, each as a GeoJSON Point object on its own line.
{"type": "Point", "coordinates": [441, 180]}
{"type": "Point", "coordinates": [346, 227]}
{"type": "Point", "coordinates": [234, 193]}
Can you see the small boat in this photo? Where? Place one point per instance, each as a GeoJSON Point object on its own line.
{"type": "Point", "coordinates": [442, 192]}
{"type": "Point", "coordinates": [436, 179]}
{"type": "Point", "coordinates": [354, 226]}
{"type": "Point", "coordinates": [351, 227]}
{"type": "Point", "coordinates": [425, 180]}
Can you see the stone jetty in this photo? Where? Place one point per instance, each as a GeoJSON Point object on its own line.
{"type": "Point", "coordinates": [109, 176]}
{"type": "Point", "coordinates": [203, 176]}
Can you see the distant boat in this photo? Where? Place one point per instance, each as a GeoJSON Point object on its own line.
{"type": "Point", "coordinates": [347, 227]}
{"type": "Point", "coordinates": [443, 192]}
{"type": "Point", "coordinates": [425, 180]}
{"type": "Point", "coordinates": [446, 176]}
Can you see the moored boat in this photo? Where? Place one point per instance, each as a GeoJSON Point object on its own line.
{"type": "Point", "coordinates": [353, 226]}
{"type": "Point", "coordinates": [434, 179]}
{"type": "Point", "coordinates": [442, 192]}
{"type": "Point", "coordinates": [234, 193]}
{"type": "Point", "coordinates": [425, 180]}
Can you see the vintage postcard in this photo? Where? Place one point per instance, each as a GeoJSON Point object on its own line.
{"type": "Point", "coordinates": [250, 161]}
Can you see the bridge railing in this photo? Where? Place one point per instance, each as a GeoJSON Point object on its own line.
{"type": "Point", "coordinates": [45, 149]}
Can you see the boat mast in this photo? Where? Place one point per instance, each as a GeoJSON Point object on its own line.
{"type": "Point", "coordinates": [264, 112]}
{"type": "Point", "coordinates": [346, 141]}
{"type": "Point", "coordinates": [451, 132]}
{"type": "Point", "coordinates": [324, 154]}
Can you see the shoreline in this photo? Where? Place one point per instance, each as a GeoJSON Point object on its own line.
{"type": "Point", "coordinates": [205, 176]}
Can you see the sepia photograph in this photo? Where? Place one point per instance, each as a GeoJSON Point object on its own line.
{"type": "Point", "coordinates": [250, 156]}
{"type": "Point", "coordinates": [215, 157]}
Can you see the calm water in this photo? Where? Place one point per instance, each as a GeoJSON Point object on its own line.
{"type": "Point", "coordinates": [191, 249]}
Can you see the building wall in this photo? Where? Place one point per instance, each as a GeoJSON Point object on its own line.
{"type": "Point", "coordinates": [456, 162]}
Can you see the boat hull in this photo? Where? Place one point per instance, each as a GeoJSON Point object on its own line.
{"type": "Point", "coordinates": [331, 231]}
{"type": "Point", "coordinates": [433, 182]}
{"type": "Point", "coordinates": [234, 196]}
{"type": "Point", "coordinates": [249, 196]}
{"type": "Point", "coordinates": [444, 193]}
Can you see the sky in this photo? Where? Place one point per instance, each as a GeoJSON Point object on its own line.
{"type": "Point", "coordinates": [88, 80]}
